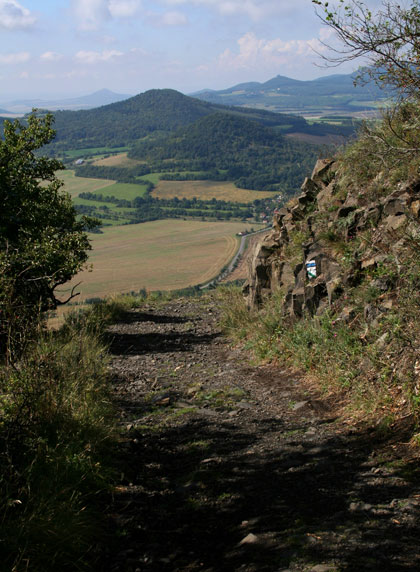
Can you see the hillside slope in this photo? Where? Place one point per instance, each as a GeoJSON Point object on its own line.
{"type": "Point", "coordinates": [341, 267]}
{"type": "Point", "coordinates": [254, 156]}
{"type": "Point", "coordinates": [157, 110]}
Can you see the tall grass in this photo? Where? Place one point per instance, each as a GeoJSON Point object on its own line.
{"type": "Point", "coordinates": [373, 366]}
{"type": "Point", "coordinates": [56, 442]}
{"type": "Point", "coordinates": [372, 356]}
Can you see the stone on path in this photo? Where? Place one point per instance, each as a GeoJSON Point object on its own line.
{"type": "Point", "coordinates": [249, 539]}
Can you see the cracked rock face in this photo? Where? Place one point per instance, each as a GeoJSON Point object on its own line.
{"type": "Point", "coordinates": [295, 259]}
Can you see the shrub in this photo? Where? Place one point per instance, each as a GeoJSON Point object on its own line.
{"type": "Point", "coordinates": [56, 439]}
{"type": "Point", "coordinates": [42, 243]}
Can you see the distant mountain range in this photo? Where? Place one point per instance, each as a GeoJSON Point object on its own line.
{"type": "Point", "coordinates": [333, 94]}
{"type": "Point", "coordinates": [96, 99]}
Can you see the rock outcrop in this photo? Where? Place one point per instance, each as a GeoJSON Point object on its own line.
{"type": "Point", "coordinates": [319, 245]}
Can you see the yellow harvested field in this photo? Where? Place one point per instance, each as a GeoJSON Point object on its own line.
{"type": "Point", "coordinates": [75, 185]}
{"type": "Point", "coordinates": [207, 190]}
{"type": "Point", "coordinates": [120, 160]}
{"type": "Point", "coordinates": [158, 255]}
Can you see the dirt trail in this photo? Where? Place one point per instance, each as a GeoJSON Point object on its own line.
{"type": "Point", "coordinates": [226, 466]}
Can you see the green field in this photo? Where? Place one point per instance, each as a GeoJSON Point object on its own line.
{"type": "Point", "coordinates": [152, 177]}
{"type": "Point", "coordinates": [158, 255]}
{"type": "Point", "coordinates": [75, 185]}
{"type": "Point", "coordinates": [127, 191]}
{"type": "Point", "coordinates": [89, 203]}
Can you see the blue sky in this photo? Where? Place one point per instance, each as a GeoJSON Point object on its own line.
{"type": "Point", "coordinates": [52, 48]}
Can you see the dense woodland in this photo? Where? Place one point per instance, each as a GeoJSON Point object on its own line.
{"type": "Point", "coordinates": [253, 156]}
{"type": "Point", "coordinates": [154, 111]}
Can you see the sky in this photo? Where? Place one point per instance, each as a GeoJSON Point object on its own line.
{"type": "Point", "coordinates": [56, 48]}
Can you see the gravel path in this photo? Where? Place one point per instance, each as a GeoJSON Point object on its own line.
{"type": "Point", "coordinates": [228, 466]}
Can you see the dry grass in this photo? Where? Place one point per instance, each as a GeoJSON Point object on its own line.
{"type": "Point", "coordinates": [241, 271]}
{"type": "Point", "coordinates": [159, 255]}
{"type": "Point", "coordinates": [120, 160]}
{"type": "Point", "coordinates": [207, 190]}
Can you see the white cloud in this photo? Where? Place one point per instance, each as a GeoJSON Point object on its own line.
{"type": "Point", "coordinates": [123, 8]}
{"type": "Point", "coordinates": [248, 7]}
{"type": "Point", "coordinates": [51, 56]}
{"type": "Point", "coordinates": [326, 34]}
{"type": "Point", "coordinates": [78, 73]}
{"type": "Point", "coordinates": [251, 7]}
{"type": "Point", "coordinates": [16, 58]}
{"type": "Point", "coordinates": [262, 53]}
{"type": "Point", "coordinates": [14, 16]}
{"type": "Point", "coordinates": [87, 57]}
{"type": "Point", "coordinates": [91, 14]}
{"type": "Point", "coordinates": [173, 19]}
{"type": "Point", "coordinates": [255, 9]}
{"type": "Point", "coordinates": [108, 39]}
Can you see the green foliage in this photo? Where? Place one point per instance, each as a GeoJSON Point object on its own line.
{"type": "Point", "coordinates": [386, 152]}
{"type": "Point", "coordinates": [179, 133]}
{"type": "Point", "coordinates": [253, 156]}
{"type": "Point", "coordinates": [146, 208]}
{"type": "Point", "coordinates": [235, 317]}
{"type": "Point", "coordinates": [121, 174]}
{"type": "Point", "coordinates": [387, 37]}
{"type": "Point", "coordinates": [147, 114]}
{"type": "Point", "coordinates": [42, 244]}
{"type": "Point", "coordinates": [294, 249]}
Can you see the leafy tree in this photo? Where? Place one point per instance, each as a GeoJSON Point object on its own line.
{"type": "Point", "coordinates": [388, 38]}
{"type": "Point", "coordinates": [42, 243]}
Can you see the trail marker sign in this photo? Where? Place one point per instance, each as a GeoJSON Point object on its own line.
{"type": "Point", "coordinates": [311, 269]}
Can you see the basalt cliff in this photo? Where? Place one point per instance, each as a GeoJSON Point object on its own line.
{"type": "Point", "coordinates": [331, 240]}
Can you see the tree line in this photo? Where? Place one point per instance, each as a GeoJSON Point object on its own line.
{"type": "Point", "coordinates": [146, 208]}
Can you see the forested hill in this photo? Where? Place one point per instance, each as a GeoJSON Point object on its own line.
{"type": "Point", "coordinates": [254, 156]}
{"type": "Point", "coordinates": [225, 137]}
{"type": "Point", "coordinates": [166, 110]}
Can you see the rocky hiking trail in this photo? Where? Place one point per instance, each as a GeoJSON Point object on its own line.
{"type": "Point", "coordinates": [230, 466]}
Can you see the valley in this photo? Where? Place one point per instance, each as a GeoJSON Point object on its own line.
{"type": "Point", "coordinates": [161, 165]}
{"type": "Point", "coordinates": [158, 255]}
{"type": "Point", "coordinates": [209, 341]}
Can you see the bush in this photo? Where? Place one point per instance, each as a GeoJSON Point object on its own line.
{"type": "Point", "coordinates": [56, 442]}
{"type": "Point", "coordinates": [42, 244]}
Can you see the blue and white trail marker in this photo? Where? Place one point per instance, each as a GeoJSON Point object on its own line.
{"type": "Point", "coordinates": [311, 269]}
